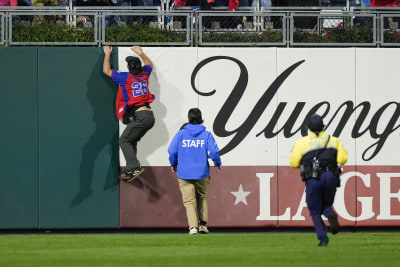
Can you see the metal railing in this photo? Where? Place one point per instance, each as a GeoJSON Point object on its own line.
{"type": "Point", "coordinates": [2, 30]}
{"type": "Point", "coordinates": [275, 26]}
{"type": "Point", "coordinates": [13, 29]}
{"type": "Point", "coordinates": [167, 33]}
{"type": "Point", "coordinates": [332, 29]}
{"type": "Point", "coordinates": [389, 37]}
{"type": "Point", "coordinates": [241, 29]}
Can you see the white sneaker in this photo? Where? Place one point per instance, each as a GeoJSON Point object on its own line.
{"type": "Point", "coordinates": [193, 231]}
{"type": "Point", "coordinates": [203, 229]}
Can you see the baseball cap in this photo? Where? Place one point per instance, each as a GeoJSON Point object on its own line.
{"type": "Point", "coordinates": [134, 63]}
{"type": "Point", "coordinates": [315, 123]}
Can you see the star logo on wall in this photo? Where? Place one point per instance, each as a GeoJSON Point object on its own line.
{"type": "Point", "coordinates": [240, 195]}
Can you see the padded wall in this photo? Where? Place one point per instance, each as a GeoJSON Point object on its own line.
{"type": "Point", "coordinates": [59, 149]}
{"type": "Point", "coordinates": [19, 182]}
{"type": "Point", "coordinates": [78, 140]}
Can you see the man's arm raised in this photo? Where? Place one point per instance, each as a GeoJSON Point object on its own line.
{"type": "Point", "coordinates": [106, 63]}
{"type": "Point", "coordinates": [138, 50]}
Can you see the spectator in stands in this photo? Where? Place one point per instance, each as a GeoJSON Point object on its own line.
{"type": "Point", "coordinates": [195, 4]}
{"type": "Point", "coordinates": [86, 20]}
{"type": "Point", "coordinates": [147, 3]}
{"type": "Point", "coordinates": [233, 4]}
{"type": "Point", "coordinates": [8, 2]}
{"type": "Point", "coordinates": [203, 4]}
{"type": "Point", "coordinates": [24, 3]}
{"type": "Point", "coordinates": [40, 19]}
{"type": "Point", "coordinates": [24, 19]}
{"type": "Point", "coordinates": [384, 3]}
{"type": "Point", "coordinates": [221, 3]}
{"type": "Point", "coordinates": [62, 2]}
{"type": "Point", "coordinates": [60, 18]}
{"type": "Point", "coordinates": [388, 22]}
{"type": "Point", "coordinates": [123, 19]}
{"type": "Point", "coordinates": [297, 3]}
{"type": "Point", "coordinates": [44, 2]}
{"type": "Point", "coordinates": [343, 3]}
{"type": "Point", "coordinates": [261, 3]}
{"type": "Point", "coordinates": [244, 3]}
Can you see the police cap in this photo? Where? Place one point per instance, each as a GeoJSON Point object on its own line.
{"type": "Point", "coordinates": [315, 123]}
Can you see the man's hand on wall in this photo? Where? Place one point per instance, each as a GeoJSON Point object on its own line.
{"type": "Point", "coordinates": [107, 49]}
{"type": "Point", "coordinates": [137, 49]}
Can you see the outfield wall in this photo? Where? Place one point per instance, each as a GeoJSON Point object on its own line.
{"type": "Point", "coordinates": [255, 101]}
{"type": "Point", "coordinates": [59, 150]}
{"type": "Point", "coordinates": [58, 156]}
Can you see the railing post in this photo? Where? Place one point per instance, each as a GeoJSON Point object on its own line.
{"type": "Point", "coordinates": [291, 29]}
{"type": "Point", "coordinates": [198, 28]}
{"type": "Point", "coordinates": [379, 29]}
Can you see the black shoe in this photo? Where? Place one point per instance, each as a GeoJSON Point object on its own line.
{"type": "Point", "coordinates": [333, 221]}
{"type": "Point", "coordinates": [323, 243]}
{"type": "Point", "coordinates": [125, 175]}
{"type": "Point", "coordinates": [129, 176]}
{"type": "Point", "coordinates": [135, 174]}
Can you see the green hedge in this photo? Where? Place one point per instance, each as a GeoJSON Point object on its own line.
{"type": "Point", "coordinates": [49, 32]}
{"type": "Point", "coordinates": [343, 33]}
{"type": "Point", "coordinates": [142, 33]}
{"type": "Point", "coordinates": [243, 37]}
{"type": "Point", "coordinates": [391, 37]}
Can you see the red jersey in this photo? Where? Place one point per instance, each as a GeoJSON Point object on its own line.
{"type": "Point", "coordinates": [133, 90]}
{"type": "Point", "coordinates": [384, 3]}
{"type": "Point", "coordinates": [8, 2]}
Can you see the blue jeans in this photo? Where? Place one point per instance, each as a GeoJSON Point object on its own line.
{"type": "Point", "coordinates": [144, 3]}
{"type": "Point", "coordinates": [353, 3]}
{"type": "Point", "coordinates": [62, 3]}
{"type": "Point", "coordinates": [119, 19]}
{"type": "Point", "coordinates": [221, 3]}
{"type": "Point", "coordinates": [24, 3]}
{"type": "Point", "coordinates": [263, 3]}
{"type": "Point", "coordinates": [244, 3]}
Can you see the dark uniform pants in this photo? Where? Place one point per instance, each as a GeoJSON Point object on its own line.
{"type": "Point", "coordinates": [320, 194]}
{"type": "Point", "coordinates": [141, 122]}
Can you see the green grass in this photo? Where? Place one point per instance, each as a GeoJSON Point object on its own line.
{"type": "Point", "coordinates": [259, 249]}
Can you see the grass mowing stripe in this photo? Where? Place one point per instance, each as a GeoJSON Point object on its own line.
{"type": "Point", "coordinates": [261, 249]}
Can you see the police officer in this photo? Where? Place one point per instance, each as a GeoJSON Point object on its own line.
{"type": "Point", "coordinates": [317, 156]}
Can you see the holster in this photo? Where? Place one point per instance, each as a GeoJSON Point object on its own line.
{"type": "Point", "coordinates": [334, 168]}
{"type": "Point", "coordinates": [305, 172]}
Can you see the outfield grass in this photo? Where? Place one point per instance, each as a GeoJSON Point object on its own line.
{"type": "Point", "coordinates": [256, 249]}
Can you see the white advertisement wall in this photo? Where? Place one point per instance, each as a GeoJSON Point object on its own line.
{"type": "Point", "coordinates": [330, 81]}
{"type": "Point", "coordinates": [255, 101]}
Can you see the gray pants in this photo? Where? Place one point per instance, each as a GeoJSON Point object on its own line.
{"type": "Point", "coordinates": [141, 122]}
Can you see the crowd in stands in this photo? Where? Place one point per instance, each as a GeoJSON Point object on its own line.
{"type": "Point", "coordinates": [204, 4]}
{"type": "Point", "coordinates": [201, 4]}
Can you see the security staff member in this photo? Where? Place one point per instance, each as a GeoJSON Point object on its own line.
{"type": "Point", "coordinates": [317, 155]}
{"type": "Point", "coordinates": [189, 152]}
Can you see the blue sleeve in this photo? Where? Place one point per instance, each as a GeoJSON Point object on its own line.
{"type": "Point", "coordinates": [213, 150]}
{"type": "Point", "coordinates": [119, 77]}
{"type": "Point", "coordinates": [148, 69]}
{"type": "Point", "coordinates": [173, 150]}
